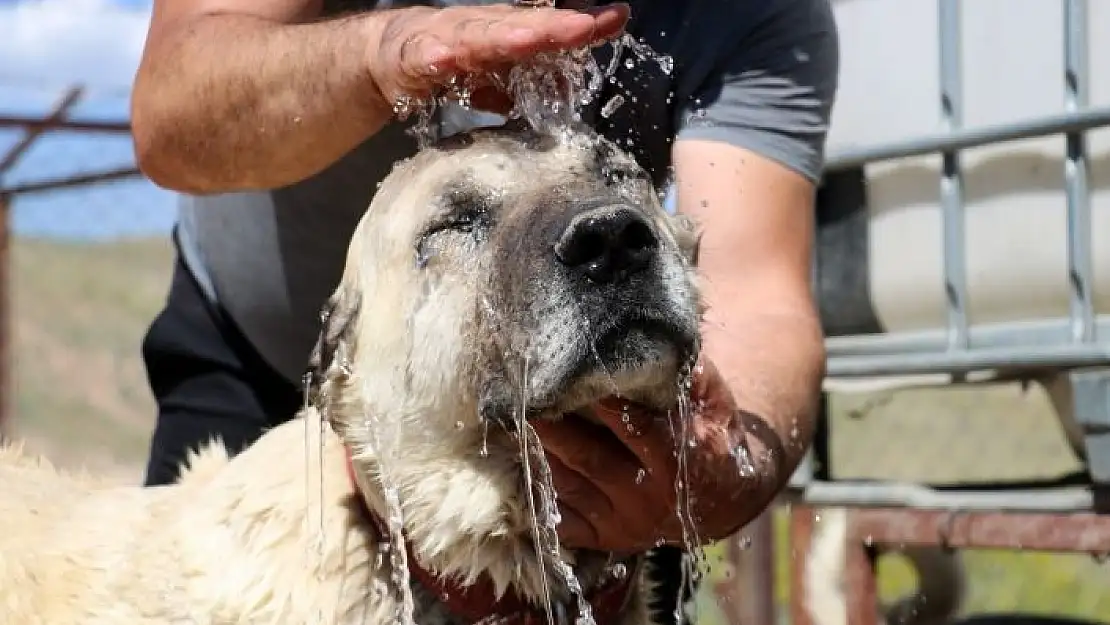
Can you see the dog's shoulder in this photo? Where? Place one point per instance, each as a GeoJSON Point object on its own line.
{"type": "Point", "coordinates": [204, 463]}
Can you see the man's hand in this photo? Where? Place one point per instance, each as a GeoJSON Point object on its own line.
{"type": "Point", "coordinates": [618, 483]}
{"type": "Point", "coordinates": [420, 49]}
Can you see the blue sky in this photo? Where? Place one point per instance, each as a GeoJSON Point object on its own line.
{"type": "Point", "coordinates": [46, 46]}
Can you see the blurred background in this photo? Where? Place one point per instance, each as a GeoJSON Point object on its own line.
{"type": "Point", "coordinates": [85, 260]}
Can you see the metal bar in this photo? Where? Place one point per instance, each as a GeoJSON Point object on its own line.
{"type": "Point", "coordinates": [861, 592]}
{"type": "Point", "coordinates": [750, 598]}
{"type": "Point", "coordinates": [54, 184]}
{"type": "Point", "coordinates": [1026, 334]}
{"type": "Point", "coordinates": [57, 113]}
{"type": "Point", "coordinates": [1075, 174]}
{"type": "Point", "coordinates": [802, 520]}
{"type": "Point", "coordinates": [960, 362]}
{"type": "Point", "coordinates": [870, 494]}
{"type": "Point", "coordinates": [951, 183]}
{"type": "Point", "coordinates": [1064, 533]}
{"type": "Point", "coordinates": [6, 400]}
{"type": "Point", "coordinates": [39, 123]}
{"type": "Point", "coordinates": [971, 138]}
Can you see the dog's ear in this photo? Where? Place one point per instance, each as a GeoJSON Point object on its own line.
{"type": "Point", "coordinates": [329, 355]}
{"type": "Point", "coordinates": [688, 236]}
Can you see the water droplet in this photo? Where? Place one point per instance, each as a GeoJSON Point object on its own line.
{"type": "Point", "coordinates": [629, 63]}
{"type": "Point", "coordinates": [619, 571]}
{"type": "Point", "coordinates": [640, 475]}
{"type": "Point", "coordinates": [612, 105]}
{"type": "Point", "coordinates": [744, 462]}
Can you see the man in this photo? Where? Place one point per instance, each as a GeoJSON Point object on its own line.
{"type": "Point", "coordinates": [275, 118]}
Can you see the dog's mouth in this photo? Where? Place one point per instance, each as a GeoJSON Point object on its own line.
{"type": "Point", "coordinates": [639, 360]}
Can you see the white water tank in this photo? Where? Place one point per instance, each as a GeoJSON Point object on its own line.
{"type": "Point", "coordinates": [1013, 70]}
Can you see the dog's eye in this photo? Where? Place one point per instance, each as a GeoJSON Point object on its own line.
{"type": "Point", "coordinates": [461, 219]}
{"type": "Point", "coordinates": [473, 224]}
{"type": "Point", "coordinates": [466, 210]}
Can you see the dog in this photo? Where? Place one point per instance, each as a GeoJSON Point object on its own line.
{"type": "Point", "coordinates": [499, 276]}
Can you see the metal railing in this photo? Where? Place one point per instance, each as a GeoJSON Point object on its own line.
{"type": "Point", "coordinates": [960, 347]}
{"type": "Point", "coordinates": [33, 128]}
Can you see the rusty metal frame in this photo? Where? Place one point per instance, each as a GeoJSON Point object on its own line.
{"type": "Point", "coordinates": [870, 529]}
{"type": "Point", "coordinates": [33, 129]}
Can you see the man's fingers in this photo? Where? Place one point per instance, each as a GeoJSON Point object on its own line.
{"type": "Point", "coordinates": [484, 38]}
{"type": "Point", "coordinates": [577, 492]}
{"type": "Point", "coordinates": [423, 59]}
{"type": "Point", "coordinates": [589, 449]}
{"type": "Point", "coordinates": [644, 433]}
{"type": "Point", "coordinates": [428, 47]}
{"type": "Point", "coordinates": [609, 20]}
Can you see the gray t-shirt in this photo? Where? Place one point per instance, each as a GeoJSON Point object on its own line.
{"type": "Point", "coordinates": [760, 74]}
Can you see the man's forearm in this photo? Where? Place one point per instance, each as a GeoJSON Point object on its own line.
{"type": "Point", "coordinates": [774, 365]}
{"type": "Point", "coordinates": [762, 329]}
{"type": "Point", "coordinates": [234, 102]}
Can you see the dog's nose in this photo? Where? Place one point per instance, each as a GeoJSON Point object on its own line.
{"type": "Point", "coordinates": [607, 244]}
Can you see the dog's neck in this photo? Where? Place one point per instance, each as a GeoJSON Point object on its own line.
{"type": "Point", "coordinates": [477, 599]}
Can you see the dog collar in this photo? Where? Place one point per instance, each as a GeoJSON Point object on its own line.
{"type": "Point", "coordinates": [479, 605]}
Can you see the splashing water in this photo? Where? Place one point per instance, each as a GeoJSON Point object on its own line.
{"type": "Point", "coordinates": [694, 560]}
{"type": "Point", "coordinates": [395, 523]}
{"type": "Point", "coordinates": [314, 466]}
{"type": "Point", "coordinates": [548, 90]}
{"type": "Point", "coordinates": [545, 519]}
{"type": "Point", "coordinates": [394, 547]}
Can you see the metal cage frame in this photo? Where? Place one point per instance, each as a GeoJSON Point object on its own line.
{"type": "Point", "coordinates": [1050, 517]}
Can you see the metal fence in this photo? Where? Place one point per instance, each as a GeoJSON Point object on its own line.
{"type": "Point", "coordinates": [1068, 357]}
{"type": "Point", "coordinates": [77, 286]}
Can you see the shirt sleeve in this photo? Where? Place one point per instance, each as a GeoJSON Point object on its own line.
{"type": "Point", "coordinates": [774, 90]}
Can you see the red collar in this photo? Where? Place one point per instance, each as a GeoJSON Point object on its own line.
{"type": "Point", "coordinates": [477, 603]}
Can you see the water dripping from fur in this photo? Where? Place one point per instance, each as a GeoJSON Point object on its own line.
{"type": "Point", "coordinates": [314, 467]}
{"type": "Point", "coordinates": [539, 487]}
{"type": "Point", "coordinates": [680, 420]}
{"type": "Point", "coordinates": [395, 524]}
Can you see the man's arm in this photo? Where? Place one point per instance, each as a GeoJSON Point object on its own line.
{"type": "Point", "coordinates": [761, 330]}
{"type": "Point", "coordinates": [258, 94]}
{"type": "Point", "coordinates": [746, 169]}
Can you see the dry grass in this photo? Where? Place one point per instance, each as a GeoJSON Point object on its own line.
{"type": "Point", "coordinates": [80, 312]}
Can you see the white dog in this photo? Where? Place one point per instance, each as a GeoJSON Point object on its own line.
{"type": "Point", "coordinates": [499, 274]}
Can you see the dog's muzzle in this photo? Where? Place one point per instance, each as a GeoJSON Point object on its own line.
{"type": "Point", "coordinates": [606, 245]}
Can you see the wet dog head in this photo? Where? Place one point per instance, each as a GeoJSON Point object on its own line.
{"type": "Point", "coordinates": [500, 273]}
{"type": "Point", "coordinates": [505, 270]}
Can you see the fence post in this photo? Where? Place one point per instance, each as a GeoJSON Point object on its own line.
{"type": "Point", "coordinates": [5, 315]}
{"type": "Point", "coordinates": [755, 568]}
